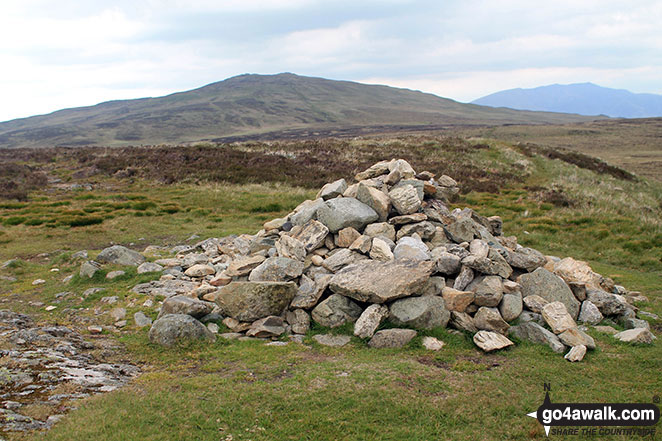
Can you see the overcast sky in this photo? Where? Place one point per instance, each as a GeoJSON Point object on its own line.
{"type": "Point", "coordinates": [67, 53]}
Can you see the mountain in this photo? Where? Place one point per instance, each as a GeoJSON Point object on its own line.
{"type": "Point", "coordinates": [580, 98]}
{"type": "Point", "coordinates": [252, 105]}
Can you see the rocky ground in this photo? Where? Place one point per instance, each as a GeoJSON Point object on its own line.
{"type": "Point", "coordinates": [46, 369]}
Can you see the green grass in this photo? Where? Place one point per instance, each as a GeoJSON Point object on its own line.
{"type": "Point", "coordinates": [247, 391]}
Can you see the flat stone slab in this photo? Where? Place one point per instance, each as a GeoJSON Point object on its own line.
{"type": "Point", "coordinates": [335, 341]}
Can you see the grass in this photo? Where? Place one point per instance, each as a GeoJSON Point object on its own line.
{"type": "Point", "coordinates": [248, 391]}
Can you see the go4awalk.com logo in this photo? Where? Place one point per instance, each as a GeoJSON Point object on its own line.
{"type": "Point", "coordinates": [597, 419]}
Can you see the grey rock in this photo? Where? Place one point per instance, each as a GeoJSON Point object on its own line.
{"type": "Point", "coordinates": [426, 230]}
{"type": "Point", "coordinates": [333, 189]}
{"type": "Point", "coordinates": [165, 288]}
{"type": "Point", "coordinates": [589, 313]}
{"type": "Point", "coordinates": [369, 321]}
{"type": "Point", "coordinates": [276, 269]}
{"type": "Point", "coordinates": [637, 335]}
{"type": "Point", "coordinates": [335, 341]}
{"type": "Point", "coordinates": [141, 320]}
{"type": "Point", "coordinates": [489, 319]}
{"type": "Point", "coordinates": [551, 288]}
{"type": "Point", "coordinates": [447, 263]}
{"type": "Point", "coordinates": [115, 274]}
{"type": "Point", "coordinates": [511, 306]}
{"type": "Point", "coordinates": [271, 326]}
{"type": "Point", "coordinates": [306, 211]}
{"type": "Point", "coordinates": [576, 353]}
{"type": "Point", "coordinates": [379, 282]}
{"type": "Point", "coordinates": [335, 311]}
{"type": "Point", "coordinates": [88, 269]}
{"type": "Point", "coordinates": [290, 248]}
{"type": "Point", "coordinates": [185, 305]}
{"type": "Point", "coordinates": [380, 229]}
{"type": "Point", "coordinates": [464, 278]}
{"type": "Point", "coordinates": [340, 258]}
{"type": "Point", "coordinates": [479, 248]}
{"type": "Point", "coordinates": [463, 322]}
{"type": "Point", "coordinates": [405, 199]}
{"type": "Point", "coordinates": [310, 292]}
{"type": "Point", "coordinates": [119, 255]}
{"type": "Point", "coordinates": [608, 304]}
{"type": "Point", "coordinates": [462, 230]}
{"type": "Point", "coordinates": [420, 312]}
{"type": "Point", "coordinates": [380, 250]}
{"type": "Point", "coordinates": [534, 303]}
{"type": "Point", "coordinates": [392, 338]}
{"type": "Point", "coordinates": [533, 332]}
{"type": "Point", "coordinates": [299, 320]}
{"type": "Point", "coordinates": [494, 264]}
{"type": "Point", "coordinates": [173, 329]}
{"type": "Point", "coordinates": [488, 290]}
{"type": "Point", "coordinates": [528, 316]}
{"type": "Point", "coordinates": [491, 341]}
{"type": "Point", "coordinates": [340, 213]}
{"type": "Point", "coordinates": [250, 301]}
{"type": "Point", "coordinates": [557, 317]}
{"type": "Point", "coordinates": [375, 199]}
{"type": "Point", "coordinates": [311, 234]}
{"type": "Point", "coordinates": [200, 270]}
{"type": "Point", "coordinates": [117, 313]}
{"type": "Point", "coordinates": [149, 267]}
{"type": "Point", "coordinates": [410, 248]}
{"type": "Point", "coordinates": [525, 258]}
{"type": "Point", "coordinates": [633, 323]}
{"type": "Point", "coordinates": [242, 266]}
{"type": "Point", "coordinates": [575, 337]}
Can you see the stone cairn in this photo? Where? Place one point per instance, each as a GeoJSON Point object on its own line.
{"type": "Point", "coordinates": [387, 247]}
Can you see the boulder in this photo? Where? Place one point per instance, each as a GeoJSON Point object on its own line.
{"type": "Point", "coordinates": [276, 269]}
{"type": "Point", "coordinates": [405, 199]}
{"type": "Point", "coordinates": [200, 270]}
{"type": "Point", "coordinates": [462, 230]}
{"type": "Point", "coordinates": [291, 248]}
{"type": "Point", "coordinates": [380, 250]}
{"type": "Point", "coordinates": [463, 322]}
{"type": "Point", "coordinates": [335, 311]}
{"type": "Point", "coordinates": [392, 338]}
{"type": "Point", "coordinates": [271, 326]}
{"type": "Point", "coordinates": [589, 313]}
{"type": "Point", "coordinates": [575, 337]}
{"type": "Point", "coordinates": [456, 300]}
{"type": "Point", "coordinates": [489, 319]}
{"type": "Point", "coordinates": [173, 329]}
{"type": "Point", "coordinates": [243, 266]}
{"type": "Point", "coordinates": [340, 213]}
{"type": "Point", "coordinates": [550, 287]}
{"type": "Point", "coordinates": [491, 341]}
{"type": "Point", "coordinates": [119, 255]}
{"type": "Point", "coordinates": [379, 282]}
{"type": "Point", "coordinates": [346, 237]}
{"type": "Point", "coordinates": [369, 321]}
{"type": "Point", "coordinates": [311, 234]}
{"type": "Point", "coordinates": [411, 248]}
{"type": "Point", "coordinates": [382, 230]}
{"type": "Point", "coordinates": [149, 267]}
{"type": "Point", "coordinates": [557, 317]}
{"type": "Point", "coordinates": [608, 304]}
{"type": "Point", "coordinates": [535, 333]}
{"type": "Point", "coordinates": [375, 170]}
{"type": "Point", "coordinates": [250, 301]}
{"type": "Point", "coordinates": [88, 269]}
{"type": "Point", "coordinates": [637, 335]}
{"type": "Point", "coordinates": [572, 270]}
{"type": "Point", "coordinates": [340, 258]}
{"type": "Point", "coordinates": [488, 290]}
{"type": "Point", "coordinates": [576, 353]}
{"type": "Point", "coordinates": [419, 312]}
{"type": "Point", "coordinates": [494, 264]}
{"type": "Point", "coordinates": [534, 303]}
{"type": "Point", "coordinates": [525, 258]}
{"type": "Point", "coordinates": [447, 263]}
{"type": "Point", "coordinates": [299, 321]}
{"type": "Point", "coordinates": [185, 305]}
{"type": "Point", "coordinates": [333, 189]}
{"type": "Point", "coordinates": [310, 292]}
{"type": "Point", "coordinates": [511, 306]}
{"type": "Point", "coordinates": [141, 320]}
{"type": "Point", "coordinates": [425, 230]}
{"type": "Point", "coordinates": [335, 341]}
{"type": "Point", "coordinates": [305, 212]}
{"type": "Point", "coordinates": [464, 278]}
{"type": "Point", "coordinates": [375, 199]}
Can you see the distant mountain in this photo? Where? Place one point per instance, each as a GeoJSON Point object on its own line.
{"type": "Point", "coordinates": [580, 98]}
{"type": "Point", "coordinates": [253, 105]}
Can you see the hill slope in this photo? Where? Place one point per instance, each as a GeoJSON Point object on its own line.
{"type": "Point", "coordinates": [581, 98]}
{"type": "Point", "coordinates": [253, 104]}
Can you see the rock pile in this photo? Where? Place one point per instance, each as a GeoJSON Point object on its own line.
{"type": "Point", "coordinates": [386, 248]}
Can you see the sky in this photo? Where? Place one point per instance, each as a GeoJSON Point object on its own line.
{"type": "Point", "coordinates": [66, 53]}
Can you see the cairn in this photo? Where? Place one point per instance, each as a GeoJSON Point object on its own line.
{"type": "Point", "coordinates": [387, 247]}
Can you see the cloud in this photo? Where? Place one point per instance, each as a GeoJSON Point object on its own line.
{"type": "Point", "coordinates": [70, 53]}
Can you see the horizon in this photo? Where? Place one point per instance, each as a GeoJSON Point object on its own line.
{"type": "Point", "coordinates": [71, 55]}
